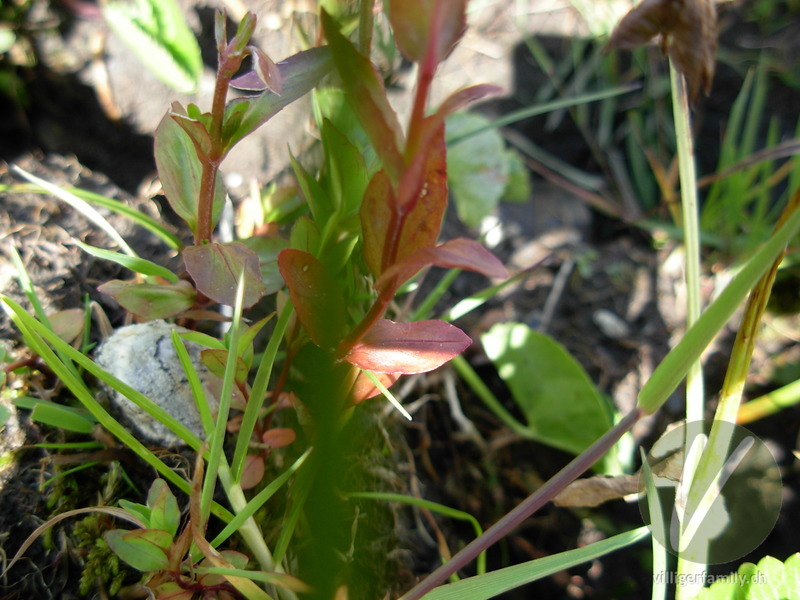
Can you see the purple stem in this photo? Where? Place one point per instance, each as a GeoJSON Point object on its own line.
{"type": "Point", "coordinates": [526, 508]}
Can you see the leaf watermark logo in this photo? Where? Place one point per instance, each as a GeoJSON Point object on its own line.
{"type": "Point", "coordinates": [713, 511]}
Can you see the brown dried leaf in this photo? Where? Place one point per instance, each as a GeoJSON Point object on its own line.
{"type": "Point", "coordinates": [688, 29]}
{"type": "Point", "coordinates": [594, 491]}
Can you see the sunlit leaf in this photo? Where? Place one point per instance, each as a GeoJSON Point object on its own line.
{"type": "Point", "coordinates": [156, 31]}
{"type": "Point", "coordinates": [412, 20]}
{"type": "Point", "coordinates": [151, 300]}
{"type": "Point", "coordinates": [366, 94]}
{"type": "Point", "coordinates": [460, 253]}
{"type": "Point", "coordinates": [561, 405]}
{"type": "Point", "coordinates": [67, 324]}
{"type": "Point", "coordinates": [407, 348]}
{"type": "Point", "coordinates": [216, 269]}
{"type": "Point", "coordinates": [316, 296]}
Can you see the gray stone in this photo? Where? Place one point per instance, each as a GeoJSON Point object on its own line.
{"type": "Point", "coordinates": [143, 356]}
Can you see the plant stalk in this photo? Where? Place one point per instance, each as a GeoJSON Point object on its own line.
{"type": "Point", "coordinates": [528, 506]}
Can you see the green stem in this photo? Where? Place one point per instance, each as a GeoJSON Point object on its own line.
{"type": "Point", "coordinates": [695, 402]}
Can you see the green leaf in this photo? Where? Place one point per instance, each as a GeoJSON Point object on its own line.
{"type": "Point", "coordinates": [216, 269]}
{"type": "Point", "coordinates": [164, 512]}
{"type": "Point", "coordinates": [770, 579]}
{"type": "Point", "coordinates": [561, 405]}
{"type": "Point", "coordinates": [497, 582]}
{"type": "Point", "coordinates": [366, 94]}
{"type": "Point", "coordinates": [134, 263]}
{"type": "Point", "coordinates": [346, 174]}
{"type": "Point", "coordinates": [180, 172]}
{"type": "Point", "coordinates": [519, 179]}
{"type": "Point", "coordinates": [143, 549]}
{"type": "Point", "coordinates": [151, 300]}
{"type": "Point", "coordinates": [140, 511]}
{"type": "Point", "coordinates": [477, 168]}
{"type": "Point", "coordinates": [299, 73]}
{"type": "Point", "coordinates": [156, 32]}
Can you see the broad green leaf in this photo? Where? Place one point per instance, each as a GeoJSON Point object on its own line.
{"type": "Point", "coordinates": [155, 30]}
{"type": "Point", "coordinates": [519, 179]}
{"type": "Point", "coordinates": [477, 168]}
{"type": "Point", "coordinates": [164, 512]}
{"type": "Point", "coordinates": [412, 21]}
{"type": "Point", "coordinates": [62, 417]}
{"type": "Point", "coordinates": [316, 296]}
{"type": "Point", "coordinates": [497, 582]}
{"type": "Point", "coordinates": [151, 300]}
{"type": "Point", "coordinates": [143, 549]}
{"type": "Point", "coordinates": [299, 74]}
{"type": "Point", "coordinates": [561, 405]}
{"type": "Point", "coordinates": [408, 348]}
{"type": "Point", "coordinates": [134, 263]}
{"type": "Point", "coordinates": [181, 171]}
{"type": "Point", "coordinates": [366, 94]}
{"type": "Point", "coordinates": [216, 269]}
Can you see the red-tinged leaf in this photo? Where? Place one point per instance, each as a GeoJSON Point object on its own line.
{"type": "Point", "coordinates": [364, 388]}
{"type": "Point", "coordinates": [216, 269]}
{"type": "Point", "coordinates": [143, 549]}
{"type": "Point", "coordinates": [278, 437]}
{"type": "Point", "coordinates": [265, 74]}
{"type": "Point", "coordinates": [252, 471]}
{"type": "Point", "coordinates": [412, 20]}
{"type": "Point", "coordinates": [316, 296]}
{"type": "Point", "coordinates": [172, 591]}
{"type": "Point", "coordinates": [407, 348]}
{"type": "Point", "coordinates": [151, 300]}
{"type": "Point", "coordinates": [460, 253]}
{"type": "Point", "coordinates": [422, 199]}
{"type": "Point", "coordinates": [215, 361]}
{"type": "Point", "coordinates": [456, 101]}
{"type": "Point", "coordinates": [366, 94]}
{"type": "Point", "coordinates": [376, 213]}
{"type": "Point", "coordinates": [67, 324]}
{"type": "Point", "coordinates": [180, 171]}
